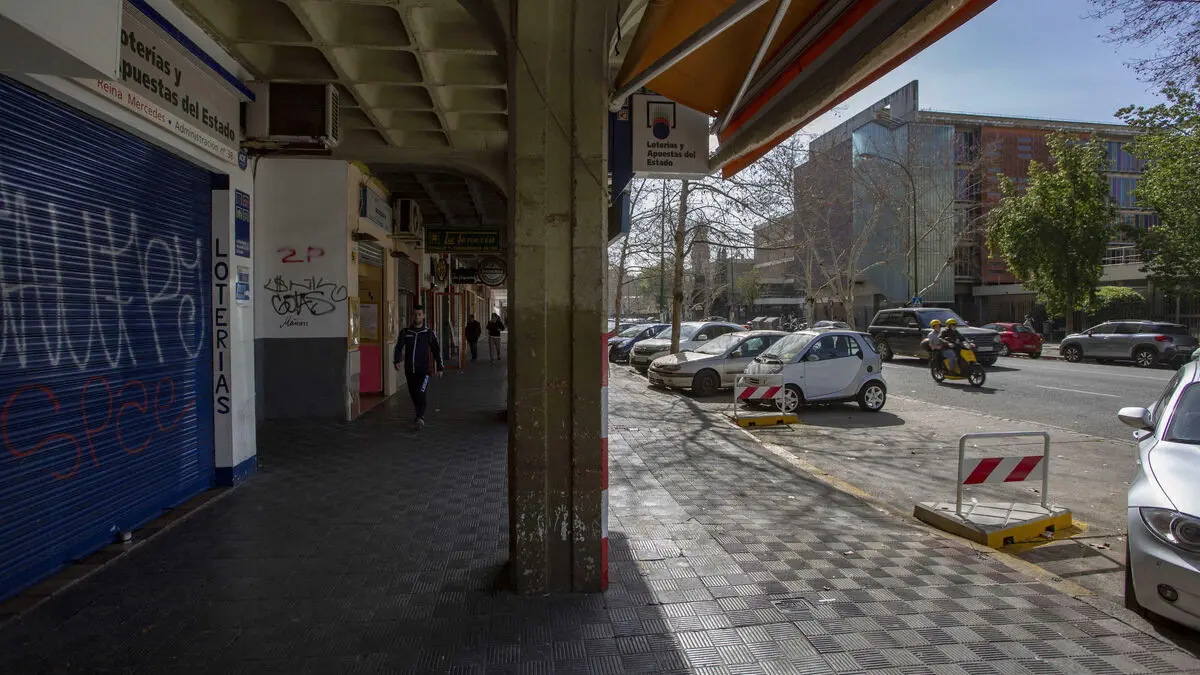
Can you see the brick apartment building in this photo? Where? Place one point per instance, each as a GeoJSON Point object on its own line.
{"type": "Point", "coordinates": [954, 160]}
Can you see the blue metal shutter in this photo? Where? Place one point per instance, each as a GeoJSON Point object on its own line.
{"type": "Point", "coordinates": [105, 362]}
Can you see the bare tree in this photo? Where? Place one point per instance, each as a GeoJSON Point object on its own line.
{"type": "Point", "coordinates": [1171, 26]}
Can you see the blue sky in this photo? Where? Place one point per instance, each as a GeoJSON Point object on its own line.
{"type": "Point", "coordinates": [1037, 58]}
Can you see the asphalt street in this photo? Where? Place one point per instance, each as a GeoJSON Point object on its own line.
{"type": "Point", "coordinates": [1082, 397]}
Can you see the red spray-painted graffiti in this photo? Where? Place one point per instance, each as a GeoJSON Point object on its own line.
{"type": "Point", "coordinates": [133, 398]}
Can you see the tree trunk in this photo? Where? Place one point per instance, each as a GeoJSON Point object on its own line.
{"type": "Point", "coordinates": [620, 282]}
{"type": "Point", "coordinates": [677, 297]}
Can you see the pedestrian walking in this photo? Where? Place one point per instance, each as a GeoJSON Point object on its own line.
{"type": "Point", "coordinates": [474, 330]}
{"type": "Point", "coordinates": [419, 353]}
{"type": "Point", "coordinates": [494, 328]}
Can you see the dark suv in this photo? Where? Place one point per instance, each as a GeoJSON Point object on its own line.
{"type": "Point", "coordinates": [900, 331]}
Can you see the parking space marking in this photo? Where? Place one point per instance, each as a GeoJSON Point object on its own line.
{"type": "Point", "coordinates": [1078, 391]}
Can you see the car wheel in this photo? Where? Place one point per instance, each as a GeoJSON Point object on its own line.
{"type": "Point", "coordinates": [1035, 355]}
{"type": "Point", "coordinates": [1131, 601]}
{"type": "Point", "coordinates": [790, 400]}
{"type": "Point", "coordinates": [1145, 357]}
{"type": "Point", "coordinates": [705, 383]}
{"type": "Point", "coordinates": [1072, 353]}
{"type": "Point", "coordinates": [885, 349]}
{"type": "Point", "coordinates": [872, 396]}
{"type": "Point", "coordinates": [1004, 350]}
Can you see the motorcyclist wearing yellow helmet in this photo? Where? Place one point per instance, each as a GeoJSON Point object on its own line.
{"type": "Point", "coordinates": [951, 341]}
{"type": "Point", "coordinates": [933, 338]}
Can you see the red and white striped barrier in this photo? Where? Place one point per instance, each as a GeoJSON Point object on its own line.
{"type": "Point", "coordinates": [604, 461]}
{"type": "Point", "coordinates": [758, 393]}
{"type": "Point", "coordinates": [991, 470]}
{"type": "Point", "coordinates": [1002, 469]}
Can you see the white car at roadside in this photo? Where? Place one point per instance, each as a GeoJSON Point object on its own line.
{"type": "Point", "coordinates": [823, 366]}
{"type": "Point", "coordinates": [1162, 555]}
{"type": "Point", "coordinates": [714, 365]}
{"type": "Point", "coordinates": [692, 334]}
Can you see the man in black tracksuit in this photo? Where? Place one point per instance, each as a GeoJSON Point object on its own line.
{"type": "Point", "coordinates": [419, 352]}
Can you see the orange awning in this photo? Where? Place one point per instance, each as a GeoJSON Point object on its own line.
{"type": "Point", "coordinates": [832, 48]}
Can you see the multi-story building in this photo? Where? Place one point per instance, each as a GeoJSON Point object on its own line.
{"type": "Point", "coordinates": [945, 168]}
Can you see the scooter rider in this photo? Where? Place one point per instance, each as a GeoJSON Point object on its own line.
{"type": "Point", "coordinates": [952, 341]}
{"type": "Point", "coordinates": [932, 338]}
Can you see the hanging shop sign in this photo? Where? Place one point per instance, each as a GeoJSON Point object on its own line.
{"type": "Point", "coordinates": [462, 241]}
{"type": "Point", "coordinates": [493, 271]}
{"type": "Point", "coordinates": [442, 272]}
{"type": "Point", "coordinates": [374, 208]}
{"type": "Point", "coordinates": [167, 83]}
{"type": "Point", "coordinates": [464, 275]}
{"type": "Point", "coordinates": [670, 140]}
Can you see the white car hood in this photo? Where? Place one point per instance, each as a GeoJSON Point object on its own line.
{"type": "Point", "coordinates": [1176, 467]}
{"type": "Point", "coordinates": [683, 357]}
{"type": "Point", "coordinates": [655, 343]}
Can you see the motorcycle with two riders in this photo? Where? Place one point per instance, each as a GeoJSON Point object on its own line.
{"type": "Point", "coordinates": [968, 367]}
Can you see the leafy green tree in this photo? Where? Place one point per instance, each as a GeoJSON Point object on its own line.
{"type": "Point", "coordinates": [1170, 144]}
{"type": "Point", "coordinates": [749, 288]}
{"type": "Point", "coordinates": [1115, 302]}
{"type": "Point", "coordinates": [1055, 234]}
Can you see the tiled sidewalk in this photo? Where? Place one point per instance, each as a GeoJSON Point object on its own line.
{"type": "Point", "coordinates": [365, 548]}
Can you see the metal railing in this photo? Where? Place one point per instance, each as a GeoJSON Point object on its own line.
{"type": "Point", "coordinates": [1121, 254]}
{"type": "Point", "coordinates": [962, 450]}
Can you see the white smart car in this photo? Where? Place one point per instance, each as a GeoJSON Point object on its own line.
{"type": "Point", "coordinates": [1162, 570]}
{"type": "Point", "coordinates": [824, 366]}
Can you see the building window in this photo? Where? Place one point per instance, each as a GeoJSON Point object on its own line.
{"type": "Point", "coordinates": [1141, 221]}
{"type": "Point", "coordinates": [1120, 160]}
{"type": "Point", "coordinates": [1122, 189]}
{"type": "Point", "coordinates": [966, 147]}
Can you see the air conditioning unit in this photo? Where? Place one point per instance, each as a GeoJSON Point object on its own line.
{"type": "Point", "coordinates": [407, 223]}
{"type": "Point", "coordinates": [291, 114]}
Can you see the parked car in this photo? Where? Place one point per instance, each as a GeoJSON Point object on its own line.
{"type": "Point", "coordinates": [825, 366]}
{"type": "Point", "coordinates": [620, 345]}
{"type": "Point", "coordinates": [691, 335]}
{"type": "Point", "coordinates": [1162, 553]}
{"type": "Point", "coordinates": [714, 364]}
{"type": "Point", "coordinates": [1016, 338]}
{"type": "Point", "coordinates": [900, 331]}
{"type": "Point", "coordinates": [839, 325]}
{"type": "Point", "coordinates": [1146, 343]}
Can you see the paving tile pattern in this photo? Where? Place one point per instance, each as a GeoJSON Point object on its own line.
{"type": "Point", "coordinates": [366, 548]}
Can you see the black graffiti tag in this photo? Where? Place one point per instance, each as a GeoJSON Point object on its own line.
{"type": "Point", "coordinates": [314, 294]}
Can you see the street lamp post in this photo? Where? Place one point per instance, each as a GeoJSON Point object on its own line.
{"type": "Point", "coordinates": [913, 201]}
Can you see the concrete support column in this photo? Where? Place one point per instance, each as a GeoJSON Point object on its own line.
{"type": "Point", "coordinates": [557, 137]}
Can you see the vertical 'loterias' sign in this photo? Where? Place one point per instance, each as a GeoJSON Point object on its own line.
{"type": "Point", "coordinates": [670, 140]}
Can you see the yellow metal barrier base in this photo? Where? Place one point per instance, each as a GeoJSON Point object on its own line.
{"type": "Point", "coordinates": [995, 524]}
{"type": "Point", "coordinates": [765, 419]}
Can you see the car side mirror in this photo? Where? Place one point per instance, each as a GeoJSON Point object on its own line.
{"type": "Point", "coordinates": [736, 354]}
{"type": "Point", "coordinates": [1138, 418]}
{"type": "Point", "coordinates": [701, 337]}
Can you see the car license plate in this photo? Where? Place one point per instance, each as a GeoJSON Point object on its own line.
{"type": "Point", "coordinates": [655, 379]}
{"type": "Point", "coordinates": [985, 348]}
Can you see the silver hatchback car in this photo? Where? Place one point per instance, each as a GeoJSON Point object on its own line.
{"type": "Point", "coordinates": [714, 364]}
{"type": "Point", "coordinates": [1146, 343]}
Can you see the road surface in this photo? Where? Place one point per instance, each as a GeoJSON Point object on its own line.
{"type": "Point", "coordinates": [1082, 397]}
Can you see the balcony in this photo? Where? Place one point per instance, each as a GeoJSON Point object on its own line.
{"type": "Point", "coordinates": [1121, 254]}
